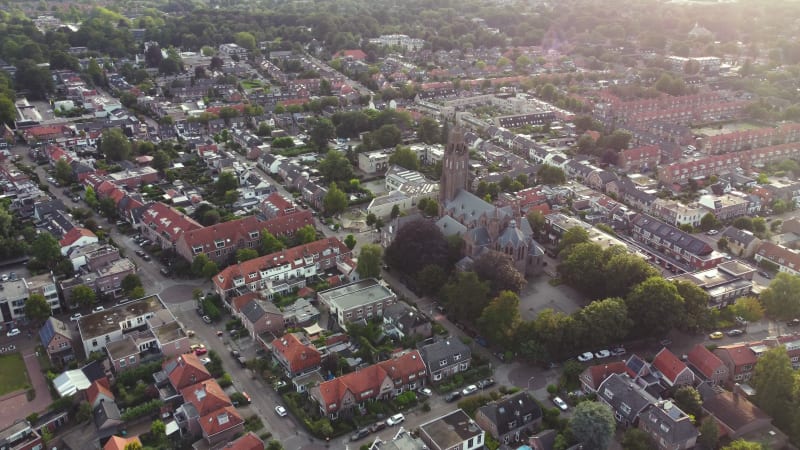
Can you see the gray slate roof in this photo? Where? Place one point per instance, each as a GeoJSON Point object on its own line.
{"type": "Point", "coordinates": [445, 349]}
{"type": "Point", "coordinates": [627, 399]}
{"type": "Point", "coordinates": [511, 409]}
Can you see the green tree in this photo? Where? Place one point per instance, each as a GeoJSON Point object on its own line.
{"type": "Point", "coordinates": [46, 250]}
{"type": "Point", "coordinates": [688, 400]}
{"type": "Point", "coordinates": [709, 434]}
{"type": "Point", "coordinates": [395, 212]}
{"type": "Point", "coordinates": [417, 244]}
{"type": "Point", "coordinates": [499, 319]}
{"type": "Point", "coordinates": [269, 243]}
{"type": "Point", "coordinates": [637, 439]}
{"type": "Point", "coordinates": [430, 279]}
{"type": "Point", "coordinates": [709, 222]}
{"type": "Point", "coordinates": [321, 131]}
{"type": "Point", "coordinates": [130, 282]}
{"type": "Point", "coordinates": [741, 444]}
{"type": "Point", "coordinates": [274, 445]}
{"type": "Point", "coordinates": [63, 172]}
{"type": "Point", "coordinates": [245, 39]}
{"type": "Point", "coordinates": [91, 197]}
{"type": "Point", "coordinates": [246, 254]}
{"type": "Point", "coordinates": [371, 219]}
{"type": "Point", "coordinates": [306, 234]}
{"type": "Point", "coordinates": [428, 130]}
{"type": "Point", "coordinates": [210, 269]}
{"type": "Point", "coordinates": [115, 145]}
{"type": "Point", "coordinates": [603, 322]}
{"type": "Point", "coordinates": [571, 237]}
{"type": "Point", "coordinates": [748, 308]}
{"type": "Point", "coordinates": [225, 183]}
{"type": "Point", "coordinates": [405, 157]}
{"type": "Point", "coordinates": [335, 200]}
{"type": "Point", "coordinates": [161, 161]}
{"type": "Point", "coordinates": [537, 222]}
{"type": "Point", "coordinates": [335, 167]}
{"type": "Point", "coordinates": [7, 110]}
{"type": "Point", "coordinates": [135, 445]}
{"type": "Point", "coordinates": [431, 208]}
{"type": "Point", "coordinates": [657, 307]}
{"type": "Point", "coordinates": [137, 292]}
{"type": "Point", "coordinates": [623, 271]}
{"type": "Point", "coordinates": [198, 263]}
{"type": "Point", "coordinates": [780, 299]}
{"type": "Point", "coordinates": [158, 432]}
{"type": "Point", "coordinates": [593, 424]}
{"type": "Point", "coordinates": [696, 314]}
{"type": "Point", "coordinates": [466, 295]}
{"type": "Point", "coordinates": [82, 296]}
{"type": "Point", "coordinates": [582, 267]}
{"type": "Point", "coordinates": [350, 241]}
{"type": "Point", "coordinates": [369, 261]}
{"type": "Point", "coordinates": [774, 380]}
{"type": "Point", "coordinates": [498, 269]}
{"type": "Point", "coordinates": [387, 136]}
{"type": "Point", "coordinates": [548, 174]}
{"type": "Point", "coordinates": [36, 308]}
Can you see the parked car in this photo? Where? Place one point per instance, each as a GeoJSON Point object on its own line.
{"type": "Point", "coordinates": [206, 319]}
{"type": "Point", "coordinates": [793, 323]}
{"type": "Point", "coordinates": [453, 396]}
{"type": "Point", "coordinates": [4, 277]}
{"type": "Point", "coordinates": [585, 357]}
{"type": "Point", "coordinates": [13, 332]}
{"type": "Point", "coordinates": [619, 351]}
{"type": "Point", "coordinates": [765, 274]}
{"type": "Point", "coordinates": [75, 317]}
{"type": "Point", "coordinates": [602, 354]}
{"type": "Point", "coordinates": [377, 426]}
{"type": "Point", "coordinates": [281, 411]}
{"type": "Point", "coordinates": [200, 351]}
{"type": "Point", "coordinates": [360, 434]}
{"type": "Point", "coordinates": [205, 360]}
{"type": "Point", "coordinates": [146, 257]}
{"type": "Point", "coordinates": [395, 419]}
{"type": "Point", "coordinates": [712, 232]}
{"type": "Point", "coordinates": [426, 392]}
{"type": "Point", "coordinates": [740, 320]}
{"type": "Point", "coordinates": [140, 253]}
{"type": "Point", "coordinates": [562, 405]}
{"type": "Point", "coordinates": [735, 332]}
{"type": "Point", "coordinates": [716, 335]}
{"type": "Point", "coordinates": [483, 384]}
{"type": "Point", "coordinates": [98, 309]}
{"type": "Point", "coordinates": [471, 389]}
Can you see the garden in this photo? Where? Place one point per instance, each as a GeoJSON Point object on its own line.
{"type": "Point", "coordinates": [13, 375]}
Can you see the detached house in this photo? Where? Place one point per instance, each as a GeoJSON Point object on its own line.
{"type": "Point", "coordinates": [668, 426]}
{"type": "Point", "coordinates": [445, 358]}
{"type": "Point", "coordinates": [511, 418]}
{"type": "Point", "coordinates": [707, 366]}
{"type": "Point", "coordinates": [381, 381]}
{"type": "Point", "coordinates": [258, 316]}
{"type": "Point", "coordinates": [76, 237]}
{"type": "Point", "coordinates": [625, 397]}
{"type": "Point", "coordinates": [673, 372]}
{"type": "Point", "coordinates": [56, 337]}
{"type": "Point", "coordinates": [740, 359]}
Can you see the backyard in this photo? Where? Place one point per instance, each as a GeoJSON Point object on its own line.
{"type": "Point", "coordinates": [13, 375]}
{"type": "Point", "coordinates": [729, 127]}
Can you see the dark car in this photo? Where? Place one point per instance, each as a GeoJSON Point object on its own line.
{"type": "Point", "coordinates": [483, 384]}
{"type": "Point", "coordinates": [453, 396]}
{"type": "Point", "coordinates": [377, 426]}
{"type": "Point", "coordinates": [360, 434]}
{"type": "Point", "coordinates": [793, 323]}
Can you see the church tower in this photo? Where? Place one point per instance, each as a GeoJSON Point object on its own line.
{"type": "Point", "coordinates": [455, 168]}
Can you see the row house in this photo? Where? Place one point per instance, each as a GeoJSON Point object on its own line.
{"type": "Point", "coordinates": [742, 242]}
{"type": "Point", "coordinates": [669, 427]}
{"type": "Point", "coordinates": [674, 242]}
{"type": "Point", "coordinates": [787, 260]}
{"type": "Point", "coordinates": [164, 225]}
{"type": "Point", "coordinates": [219, 242]}
{"type": "Point", "coordinates": [44, 134]}
{"type": "Point", "coordinates": [639, 159]}
{"type": "Point", "coordinates": [682, 172]}
{"type": "Point", "coordinates": [314, 195]}
{"type": "Point", "coordinates": [275, 205]}
{"type": "Point", "coordinates": [725, 207]}
{"type": "Point", "coordinates": [759, 137]}
{"type": "Point", "coordinates": [676, 213]}
{"type": "Point", "coordinates": [382, 381]}
{"type": "Point", "coordinates": [280, 271]}
{"type": "Point", "coordinates": [627, 192]}
{"type": "Point", "coordinates": [104, 279]}
{"type": "Point", "coordinates": [707, 366]}
{"type": "Point", "coordinates": [740, 360]}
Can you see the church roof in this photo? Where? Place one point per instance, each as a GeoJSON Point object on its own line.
{"type": "Point", "coordinates": [512, 235]}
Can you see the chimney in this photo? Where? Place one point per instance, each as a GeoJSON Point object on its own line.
{"type": "Point", "coordinates": [735, 390]}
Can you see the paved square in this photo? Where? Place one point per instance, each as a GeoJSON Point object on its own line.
{"type": "Point", "coordinates": [538, 295]}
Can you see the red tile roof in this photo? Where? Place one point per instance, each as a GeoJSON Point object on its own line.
{"type": "Point", "coordinates": [704, 360]}
{"type": "Point", "coordinates": [669, 365]}
{"type": "Point", "coordinates": [168, 220]}
{"type": "Point", "coordinates": [779, 255]}
{"type": "Point", "coordinates": [74, 234]}
{"type": "Point", "coordinates": [289, 223]}
{"type": "Point", "coordinates": [356, 54]}
{"type": "Point", "coordinates": [220, 420]}
{"type": "Point", "coordinates": [241, 301]}
{"type": "Point", "coordinates": [206, 396]}
{"type": "Point", "coordinates": [247, 442]}
{"type": "Point", "coordinates": [600, 372]}
{"type": "Point", "coordinates": [299, 356]}
{"type": "Point", "coordinates": [98, 387]}
{"type": "Point", "coordinates": [229, 232]}
{"type": "Point", "coordinates": [187, 370]}
{"type": "Point", "coordinates": [224, 279]}
{"type": "Point", "coordinates": [371, 378]}
{"type": "Point", "coordinates": [119, 443]}
{"type": "Point", "coordinates": [740, 354]}
{"type": "Point", "coordinates": [216, 109]}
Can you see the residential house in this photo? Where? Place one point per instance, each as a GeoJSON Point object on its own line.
{"type": "Point", "coordinates": [56, 337]}
{"type": "Point", "coordinates": [735, 415]}
{"type": "Point", "coordinates": [12, 300]}
{"type": "Point", "coordinates": [668, 426]}
{"type": "Point", "coordinates": [98, 329]}
{"type": "Point", "coordinates": [790, 343]}
{"type": "Point", "coordinates": [220, 242]}
{"type": "Point", "coordinates": [380, 381]}
{"type": "Point", "coordinates": [258, 316]}
{"type": "Point", "coordinates": [742, 243]}
{"type": "Point", "coordinates": [295, 354]}
{"type": "Point", "coordinates": [639, 159]}
{"type": "Point", "coordinates": [740, 359]}
{"type": "Point", "coordinates": [625, 397]}
{"type": "Point", "coordinates": [786, 260]}
{"type": "Point", "coordinates": [593, 376]}
{"type": "Point", "coordinates": [359, 300]}
{"type": "Point", "coordinates": [164, 225]}
{"type": "Point", "coordinates": [674, 242]}
{"type": "Point", "coordinates": [280, 271]}
{"type": "Point", "coordinates": [44, 285]}
{"type": "Point", "coordinates": [121, 443]}
{"type": "Point", "coordinates": [21, 436]}
{"type": "Point", "coordinates": [453, 431]}
{"type": "Point", "coordinates": [725, 207]}
{"type": "Point", "coordinates": [181, 372]}
{"type": "Point", "coordinates": [510, 419]}
{"type": "Point", "coordinates": [707, 366]}
{"type": "Point", "coordinates": [105, 279]}
{"type": "Point", "coordinates": [247, 442]}
{"type": "Point", "coordinates": [208, 411]}
{"type": "Point", "coordinates": [76, 237]}
{"type": "Point", "coordinates": [401, 320]}
{"type": "Point", "coordinates": [107, 419]}
{"type": "Point", "coordinates": [676, 213]}
{"type": "Point", "coordinates": [99, 391]}
{"type": "Point", "coordinates": [672, 370]}
{"type": "Point", "coordinates": [445, 358]}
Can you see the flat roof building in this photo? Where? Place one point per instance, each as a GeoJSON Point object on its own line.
{"type": "Point", "coordinates": [362, 299]}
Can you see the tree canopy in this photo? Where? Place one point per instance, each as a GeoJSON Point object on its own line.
{"type": "Point", "coordinates": [405, 157]}
{"type": "Point", "coordinates": [498, 269]}
{"type": "Point", "coordinates": [781, 299]}
{"type": "Point", "coordinates": [369, 261]}
{"type": "Point", "coordinates": [593, 424]}
{"type": "Point", "coordinates": [417, 244]}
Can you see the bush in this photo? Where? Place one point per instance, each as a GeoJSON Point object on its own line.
{"type": "Point", "coordinates": [131, 377]}
{"type": "Point", "coordinates": [552, 389]}
{"type": "Point", "coordinates": [238, 398]}
{"type": "Point", "coordinates": [225, 380]}
{"type": "Point", "coordinates": [253, 423]}
{"type": "Point", "coordinates": [142, 410]}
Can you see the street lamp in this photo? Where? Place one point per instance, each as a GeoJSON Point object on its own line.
{"type": "Point", "coordinates": [529, 382]}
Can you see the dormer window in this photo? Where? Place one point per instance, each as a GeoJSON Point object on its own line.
{"type": "Point", "coordinates": [219, 244]}
{"type": "Point", "coordinates": [254, 235]}
{"type": "Point", "coordinates": [197, 250]}
{"type": "Point", "coordinates": [443, 363]}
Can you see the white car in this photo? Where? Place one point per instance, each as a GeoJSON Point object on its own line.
{"type": "Point", "coordinates": [395, 419]}
{"type": "Point", "coordinates": [281, 411]}
{"type": "Point", "coordinates": [426, 392]}
{"type": "Point", "coordinates": [471, 389]}
{"type": "Point", "coordinates": [584, 357]}
{"type": "Point", "coordinates": [75, 317]}
{"type": "Point", "coordinates": [205, 360]}
{"type": "Point", "coordinates": [98, 309]}
{"type": "Point", "coordinates": [562, 405]}
{"type": "Point", "coordinates": [4, 277]}
{"type": "Point", "coordinates": [602, 354]}
{"type": "Point", "coordinates": [13, 332]}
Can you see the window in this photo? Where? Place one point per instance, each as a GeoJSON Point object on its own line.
{"type": "Point", "coordinates": [443, 363]}
{"type": "Point", "coordinates": [457, 356]}
{"type": "Point", "coordinates": [122, 362]}
{"type": "Point", "coordinates": [94, 343]}
{"type": "Point", "coordinates": [63, 344]}
{"type": "Point", "coordinates": [437, 376]}
{"type": "Point", "coordinates": [219, 244]}
{"type": "Point", "coordinates": [464, 366]}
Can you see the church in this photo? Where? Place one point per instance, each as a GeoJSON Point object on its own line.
{"type": "Point", "coordinates": [482, 225]}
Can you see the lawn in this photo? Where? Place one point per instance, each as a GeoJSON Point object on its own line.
{"type": "Point", "coordinates": [250, 84]}
{"type": "Point", "coordinates": [13, 375]}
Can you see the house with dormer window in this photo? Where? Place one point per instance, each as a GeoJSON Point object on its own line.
{"type": "Point", "coordinates": [445, 358]}
{"type": "Point", "coordinates": [510, 419]}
